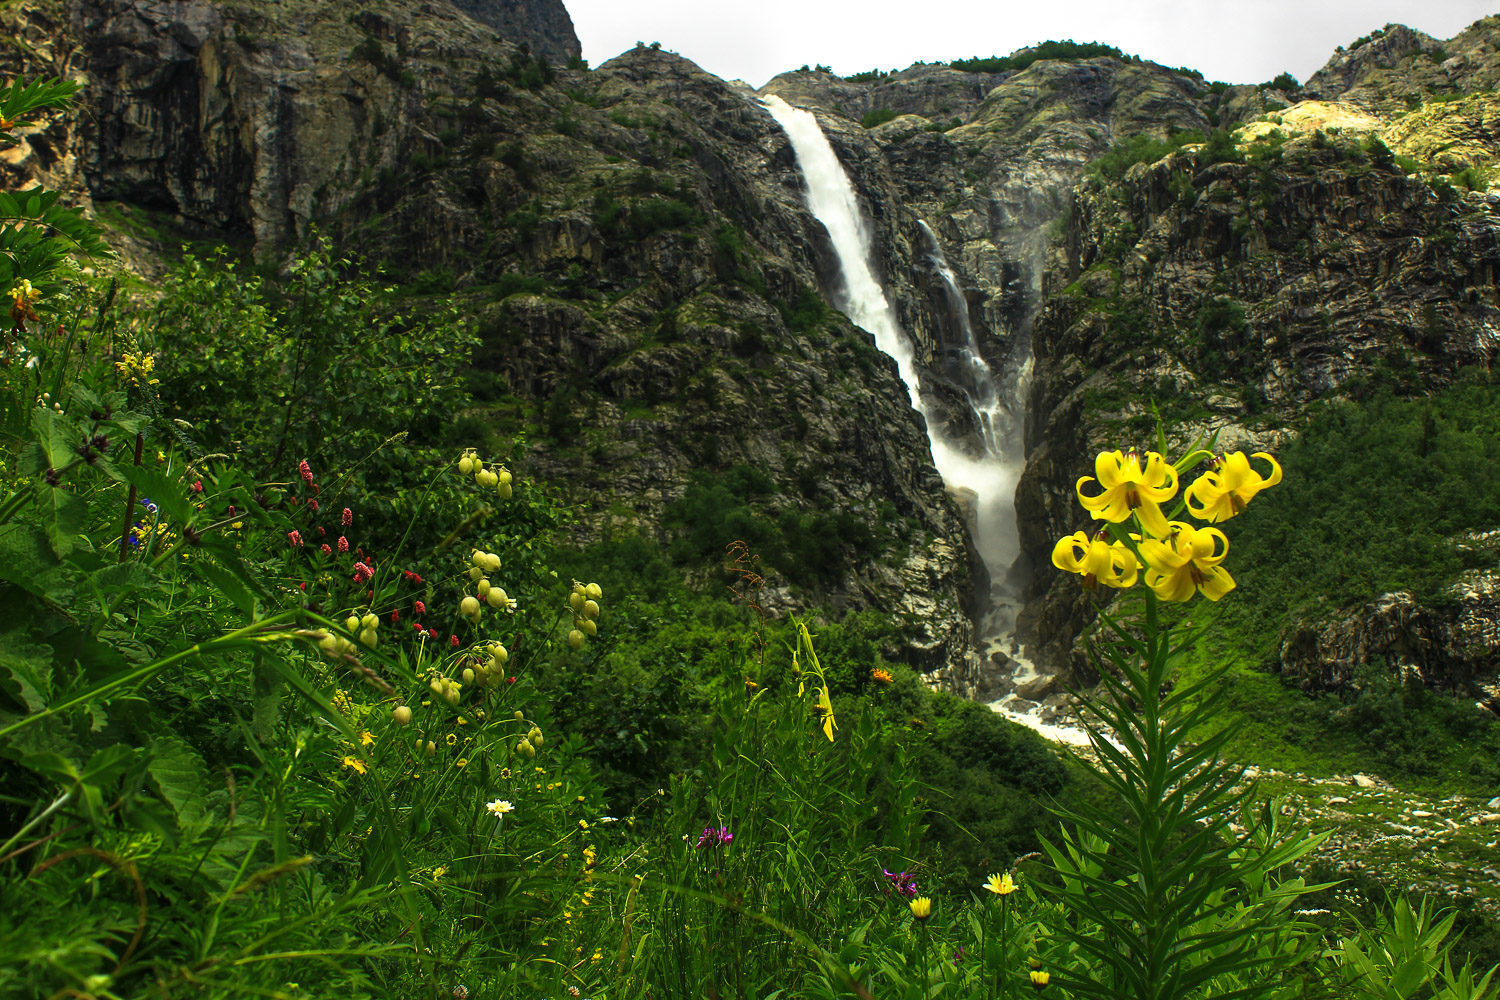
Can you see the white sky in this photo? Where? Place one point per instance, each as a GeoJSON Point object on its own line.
{"type": "Point", "coordinates": [1245, 42]}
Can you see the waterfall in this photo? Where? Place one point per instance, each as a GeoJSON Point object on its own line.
{"type": "Point", "coordinates": [985, 475]}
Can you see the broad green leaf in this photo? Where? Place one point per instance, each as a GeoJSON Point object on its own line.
{"type": "Point", "coordinates": [25, 672]}
{"type": "Point", "coordinates": [64, 514]}
{"type": "Point", "coordinates": [168, 494]}
{"type": "Point", "coordinates": [179, 775]}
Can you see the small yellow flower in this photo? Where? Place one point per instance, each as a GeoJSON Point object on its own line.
{"type": "Point", "coordinates": [1000, 885]}
{"type": "Point", "coordinates": [505, 774]}
{"type": "Point", "coordinates": [366, 738]}
{"type": "Point", "coordinates": [1125, 487]}
{"type": "Point", "coordinates": [135, 368]}
{"type": "Point", "coordinates": [356, 765]}
{"type": "Point", "coordinates": [880, 675]}
{"type": "Point", "coordinates": [461, 762]}
{"type": "Point", "coordinates": [1040, 978]}
{"type": "Point", "coordinates": [1096, 560]}
{"type": "Point", "coordinates": [1223, 492]}
{"type": "Point", "coordinates": [450, 739]}
{"type": "Point", "coordinates": [1187, 562]}
{"type": "Point", "coordinates": [921, 907]}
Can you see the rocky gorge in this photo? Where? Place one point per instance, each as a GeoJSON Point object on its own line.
{"type": "Point", "coordinates": [651, 292]}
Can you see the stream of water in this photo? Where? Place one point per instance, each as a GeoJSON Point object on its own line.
{"type": "Point", "coordinates": [982, 470]}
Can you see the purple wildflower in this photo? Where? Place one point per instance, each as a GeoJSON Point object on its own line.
{"type": "Point", "coordinates": [715, 837]}
{"type": "Point", "coordinates": [902, 882]}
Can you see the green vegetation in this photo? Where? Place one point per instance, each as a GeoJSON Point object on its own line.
{"type": "Point", "coordinates": [301, 696]}
{"type": "Point", "coordinates": [869, 76]}
{"type": "Point", "coordinates": [1283, 81]}
{"type": "Point", "coordinates": [878, 116]}
{"type": "Point", "coordinates": [1066, 51]}
{"type": "Point", "coordinates": [1218, 147]}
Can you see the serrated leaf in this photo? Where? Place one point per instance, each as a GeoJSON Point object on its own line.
{"type": "Point", "coordinates": [167, 494]}
{"type": "Point", "coordinates": [229, 586]}
{"type": "Point", "coordinates": [121, 578]}
{"type": "Point", "coordinates": [27, 560]}
{"type": "Point", "coordinates": [25, 672]}
{"type": "Point", "coordinates": [180, 776]}
{"type": "Point", "coordinates": [64, 514]}
{"type": "Point", "coordinates": [58, 435]}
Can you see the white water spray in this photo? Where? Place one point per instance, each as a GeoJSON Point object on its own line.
{"type": "Point", "coordinates": [989, 478]}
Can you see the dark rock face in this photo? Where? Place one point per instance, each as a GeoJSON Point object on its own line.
{"type": "Point", "coordinates": [542, 25]}
{"type": "Point", "coordinates": [1455, 647]}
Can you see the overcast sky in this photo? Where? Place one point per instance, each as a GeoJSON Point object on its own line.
{"type": "Point", "coordinates": [1246, 42]}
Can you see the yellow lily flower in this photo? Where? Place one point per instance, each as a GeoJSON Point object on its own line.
{"type": "Point", "coordinates": [1187, 562]}
{"type": "Point", "coordinates": [1126, 486]}
{"type": "Point", "coordinates": [825, 709]}
{"type": "Point", "coordinates": [1096, 560]}
{"type": "Point", "coordinates": [1224, 491]}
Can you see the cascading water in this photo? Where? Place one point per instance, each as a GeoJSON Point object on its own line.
{"type": "Point", "coordinates": [987, 473]}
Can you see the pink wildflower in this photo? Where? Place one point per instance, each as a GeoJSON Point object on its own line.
{"type": "Point", "coordinates": [395, 617]}
{"type": "Point", "coordinates": [421, 608]}
{"type": "Point", "coordinates": [362, 573]}
{"type": "Point", "coordinates": [326, 550]}
{"type": "Point", "coordinates": [295, 538]}
{"type": "Point", "coordinates": [453, 641]}
{"type": "Point", "coordinates": [348, 517]}
{"type": "Point", "coordinates": [312, 504]}
{"type": "Point", "coordinates": [712, 837]}
{"type": "Point", "coordinates": [343, 544]}
{"type": "Point", "coordinates": [305, 471]}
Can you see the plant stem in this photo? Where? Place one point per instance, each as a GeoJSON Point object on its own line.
{"type": "Point", "coordinates": [140, 443]}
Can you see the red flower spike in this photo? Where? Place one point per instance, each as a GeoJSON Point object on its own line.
{"type": "Point", "coordinates": [395, 617]}
{"type": "Point", "coordinates": [326, 550]}
{"type": "Point", "coordinates": [312, 505]}
{"type": "Point", "coordinates": [420, 608]}
{"type": "Point", "coordinates": [453, 641]}
{"type": "Point", "coordinates": [348, 517]}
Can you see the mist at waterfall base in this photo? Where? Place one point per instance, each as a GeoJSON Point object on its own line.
{"type": "Point", "coordinates": [989, 477]}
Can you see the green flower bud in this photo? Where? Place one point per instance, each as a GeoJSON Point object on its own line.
{"type": "Point", "coordinates": [575, 639]}
{"type": "Point", "coordinates": [595, 591]}
{"type": "Point", "coordinates": [591, 609]}
{"type": "Point", "coordinates": [469, 608]}
{"type": "Point", "coordinates": [401, 715]}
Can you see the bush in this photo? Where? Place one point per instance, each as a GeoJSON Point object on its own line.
{"type": "Point", "coordinates": [878, 117]}
{"type": "Point", "coordinates": [1065, 51]}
